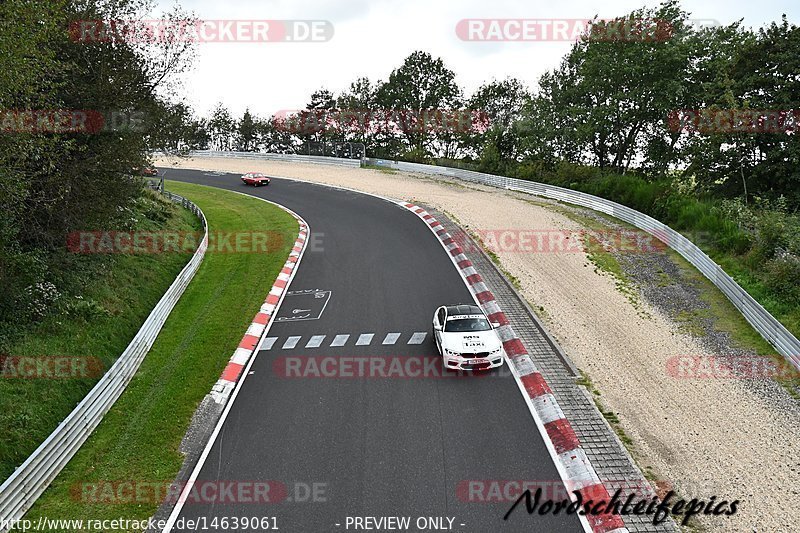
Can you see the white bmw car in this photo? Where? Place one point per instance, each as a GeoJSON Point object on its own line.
{"type": "Point", "coordinates": [465, 338]}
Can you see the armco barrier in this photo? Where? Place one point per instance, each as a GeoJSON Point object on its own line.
{"type": "Point", "coordinates": [286, 158]}
{"type": "Point", "coordinates": [19, 492]}
{"type": "Point", "coordinates": [768, 326]}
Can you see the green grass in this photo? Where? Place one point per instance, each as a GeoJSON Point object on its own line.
{"type": "Point", "coordinates": [139, 438]}
{"type": "Point", "coordinates": [381, 168]}
{"type": "Point", "coordinates": [602, 259]}
{"type": "Point", "coordinates": [117, 293]}
{"type": "Point", "coordinates": [725, 317]}
{"type": "Point", "coordinates": [610, 416]}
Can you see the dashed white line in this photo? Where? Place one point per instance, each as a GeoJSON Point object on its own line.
{"type": "Point", "coordinates": [291, 342]}
{"type": "Point", "coordinates": [268, 342]}
{"type": "Point", "coordinates": [364, 339]}
{"type": "Point", "coordinates": [340, 340]}
{"type": "Point", "coordinates": [391, 338]}
{"type": "Point", "coordinates": [418, 337]}
{"type": "Point", "coordinates": [315, 341]}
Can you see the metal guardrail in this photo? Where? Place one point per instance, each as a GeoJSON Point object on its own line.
{"type": "Point", "coordinates": [768, 326]}
{"type": "Point", "coordinates": [19, 492]}
{"type": "Point", "coordinates": [286, 158]}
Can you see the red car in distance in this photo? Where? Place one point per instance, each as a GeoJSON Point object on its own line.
{"type": "Point", "coordinates": [255, 179]}
{"type": "Point", "coordinates": [145, 171]}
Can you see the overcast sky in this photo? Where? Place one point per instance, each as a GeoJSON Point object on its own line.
{"type": "Point", "coordinates": [372, 37]}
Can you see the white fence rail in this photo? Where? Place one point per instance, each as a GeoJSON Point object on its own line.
{"type": "Point", "coordinates": [767, 325]}
{"type": "Point", "coordinates": [286, 158]}
{"type": "Point", "coordinates": [19, 492]}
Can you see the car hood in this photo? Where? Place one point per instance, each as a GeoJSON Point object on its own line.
{"type": "Point", "coordinates": [471, 342]}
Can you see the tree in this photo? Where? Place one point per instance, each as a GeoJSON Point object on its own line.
{"type": "Point", "coordinates": [221, 128]}
{"type": "Point", "coordinates": [416, 96]}
{"type": "Point", "coordinates": [611, 93]}
{"type": "Point", "coordinates": [246, 133]}
{"type": "Point", "coordinates": [495, 107]}
{"type": "Point", "coordinates": [55, 179]}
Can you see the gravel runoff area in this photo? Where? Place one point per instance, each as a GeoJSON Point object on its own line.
{"type": "Point", "coordinates": [729, 438]}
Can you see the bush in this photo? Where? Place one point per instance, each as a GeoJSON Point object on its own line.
{"type": "Point", "coordinates": [87, 310]}
{"type": "Point", "coordinates": [762, 236]}
{"type": "Point", "coordinates": [783, 277]}
{"type": "Point", "coordinates": [417, 155]}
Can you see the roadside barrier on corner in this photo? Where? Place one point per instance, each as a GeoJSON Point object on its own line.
{"type": "Point", "coordinates": [762, 321]}
{"type": "Point", "coordinates": [21, 490]}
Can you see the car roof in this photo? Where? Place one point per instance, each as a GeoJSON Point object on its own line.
{"type": "Point", "coordinates": [464, 309]}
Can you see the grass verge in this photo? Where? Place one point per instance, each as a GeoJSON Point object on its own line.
{"type": "Point", "coordinates": [139, 439]}
{"type": "Point", "coordinates": [602, 259]}
{"type": "Point", "coordinates": [380, 168]}
{"type": "Point", "coordinates": [91, 321]}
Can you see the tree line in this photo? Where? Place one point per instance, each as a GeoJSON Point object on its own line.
{"type": "Point", "coordinates": [76, 120]}
{"type": "Point", "coordinates": [714, 106]}
{"type": "Point", "coordinates": [697, 115]}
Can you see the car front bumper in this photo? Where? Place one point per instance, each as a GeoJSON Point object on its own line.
{"type": "Point", "coordinates": [453, 362]}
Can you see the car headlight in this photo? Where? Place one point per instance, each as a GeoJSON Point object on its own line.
{"type": "Point", "coordinates": [451, 352]}
{"type": "Point", "coordinates": [497, 351]}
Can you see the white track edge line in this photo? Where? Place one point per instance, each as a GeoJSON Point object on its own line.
{"type": "Point", "coordinates": [528, 401]}
{"type": "Point", "coordinates": [245, 372]}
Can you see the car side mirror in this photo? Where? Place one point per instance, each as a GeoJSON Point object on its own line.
{"type": "Point", "coordinates": [437, 327]}
{"type": "Point", "coordinates": [495, 324]}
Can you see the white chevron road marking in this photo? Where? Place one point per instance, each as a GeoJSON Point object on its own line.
{"type": "Point", "coordinates": [340, 340]}
{"type": "Point", "coordinates": [418, 337]}
{"type": "Point", "coordinates": [291, 342]}
{"type": "Point", "coordinates": [315, 341]}
{"type": "Point", "coordinates": [391, 338]}
{"type": "Point", "coordinates": [364, 339]}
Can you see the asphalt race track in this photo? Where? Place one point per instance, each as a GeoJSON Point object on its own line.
{"type": "Point", "coordinates": [369, 446]}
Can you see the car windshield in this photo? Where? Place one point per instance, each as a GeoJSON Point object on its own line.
{"type": "Point", "coordinates": [470, 323]}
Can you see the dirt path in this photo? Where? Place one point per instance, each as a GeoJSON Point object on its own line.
{"type": "Point", "coordinates": [709, 437]}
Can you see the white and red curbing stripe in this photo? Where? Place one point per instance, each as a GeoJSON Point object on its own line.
{"type": "Point", "coordinates": [574, 466]}
{"type": "Point", "coordinates": [233, 371]}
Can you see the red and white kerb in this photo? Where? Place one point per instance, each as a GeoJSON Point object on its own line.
{"type": "Point", "coordinates": [577, 470]}
{"type": "Point", "coordinates": [233, 371]}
